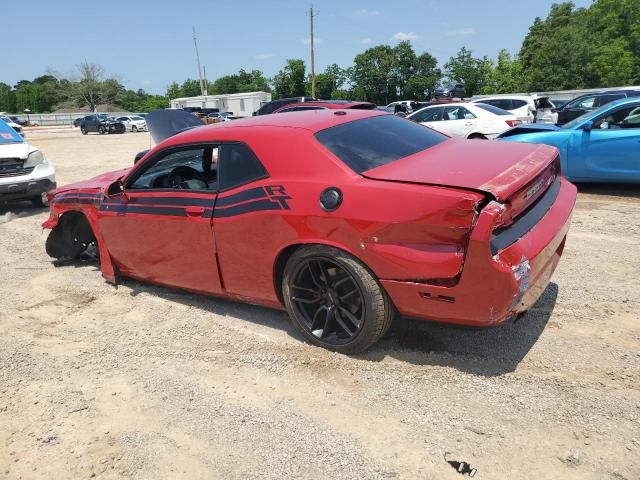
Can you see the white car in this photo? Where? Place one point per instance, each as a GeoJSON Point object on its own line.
{"type": "Point", "coordinates": [25, 173]}
{"type": "Point", "coordinates": [528, 108]}
{"type": "Point", "coordinates": [134, 123]}
{"type": "Point", "coordinates": [11, 123]}
{"type": "Point", "coordinates": [409, 105]}
{"type": "Point", "coordinates": [466, 120]}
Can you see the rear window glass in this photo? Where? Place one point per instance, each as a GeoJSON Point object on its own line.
{"type": "Point", "coordinates": [492, 109]}
{"type": "Point", "coordinates": [372, 142]}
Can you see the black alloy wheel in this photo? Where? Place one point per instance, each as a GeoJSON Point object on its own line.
{"type": "Point", "coordinates": [334, 300]}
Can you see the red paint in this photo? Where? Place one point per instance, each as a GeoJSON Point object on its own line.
{"type": "Point", "coordinates": [428, 244]}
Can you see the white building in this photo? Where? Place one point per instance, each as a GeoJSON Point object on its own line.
{"type": "Point", "coordinates": [239, 104]}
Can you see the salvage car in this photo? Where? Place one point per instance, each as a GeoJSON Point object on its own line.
{"type": "Point", "coordinates": [528, 108]}
{"type": "Point", "coordinates": [133, 123]}
{"type": "Point", "coordinates": [100, 124]}
{"type": "Point", "coordinates": [599, 146]}
{"type": "Point", "coordinates": [466, 120]}
{"type": "Point", "coordinates": [25, 173]}
{"type": "Point", "coordinates": [341, 217]}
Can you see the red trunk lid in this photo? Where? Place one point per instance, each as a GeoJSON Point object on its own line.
{"type": "Point", "coordinates": [499, 168]}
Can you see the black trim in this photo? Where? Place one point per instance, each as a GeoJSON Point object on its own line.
{"type": "Point", "coordinates": [244, 196]}
{"type": "Point", "coordinates": [76, 200]}
{"type": "Point", "coordinates": [163, 211]}
{"type": "Point", "coordinates": [502, 238]}
{"type": "Point", "coordinates": [77, 194]}
{"type": "Point", "coordinates": [258, 205]}
{"type": "Point", "coordinates": [180, 201]}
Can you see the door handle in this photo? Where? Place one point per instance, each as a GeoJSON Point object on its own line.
{"type": "Point", "coordinates": [468, 124]}
{"type": "Point", "coordinates": [194, 211]}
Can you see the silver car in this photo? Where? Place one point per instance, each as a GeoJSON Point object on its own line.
{"type": "Point", "coordinates": [134, 123]}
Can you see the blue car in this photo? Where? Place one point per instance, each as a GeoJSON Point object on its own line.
{"type": "Point", "coordinates": [599, 146]}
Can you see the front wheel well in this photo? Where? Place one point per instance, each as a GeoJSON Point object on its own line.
{"type": "Point", "coordinates": [71, 236]}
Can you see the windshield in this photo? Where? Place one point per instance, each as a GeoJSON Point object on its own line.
{"type": "Point", "coordinates": [366, 144]}
{"type": "Point", "coordinates": [8, 134]}
{"type": "Point", "coordinates": [492, 109]}
{"type": "Point", "coordinates": [578, 120]}
{"type": "Point", "coordinates": [137, 118]}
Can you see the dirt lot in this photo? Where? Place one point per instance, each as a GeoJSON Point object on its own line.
{"type": "Point", "coordinates": [150, 383]}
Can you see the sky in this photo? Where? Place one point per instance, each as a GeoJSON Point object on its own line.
{"type": "Point", "coordinates": [148, 44]}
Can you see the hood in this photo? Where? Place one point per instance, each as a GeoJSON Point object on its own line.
{"type": "Point", "coordinates": [497, 168]}
{"type": "Point", "coordinates": [16, 150]}
{"type": "Point", "coordinates": [530, 128]}
{"type": "Point", "coordinates": [163, 124]}
{"type": "Point", "coordinates": [99, 183]}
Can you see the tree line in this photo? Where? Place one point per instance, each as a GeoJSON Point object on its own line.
{"type": "Point", "coordinates": [594, 47]}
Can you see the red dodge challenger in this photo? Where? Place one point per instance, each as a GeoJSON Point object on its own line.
{"type": "Point", "coordinates": [343, 217]}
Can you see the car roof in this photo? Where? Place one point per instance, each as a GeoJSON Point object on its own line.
{"type": "Point", "coordinates": [310, 120]}
{"type": "Point", "coordinates": [333, 105]}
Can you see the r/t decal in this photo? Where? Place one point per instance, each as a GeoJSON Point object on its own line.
{"type": "Point", "coordinates": [277, 193]}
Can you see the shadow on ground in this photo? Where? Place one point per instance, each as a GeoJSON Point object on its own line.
{"type": "Point", "coordinates": [610, 189]}
{"type": "Point", "coordinates": [488, 352]}
{"type": "Point", "coordinates": [18, 209]}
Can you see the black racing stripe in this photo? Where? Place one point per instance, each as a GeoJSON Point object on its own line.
{"type": "Point", "coordinates": [244, 196]}
{"type": "Point", "coordinates": [76, 200]}
{"type": "Point", "coordinates": [256, 206]}
{"type": "Point", "coordinates": [182, 201]}
{"type": "Point", "coordinates": [152, 210]}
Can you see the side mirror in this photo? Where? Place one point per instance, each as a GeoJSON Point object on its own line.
{"type": "Point", "coordinates": [139, 156]}
{"type": "Point", "coordinates": [587, 127]}
{"type": "Point", "coordinates": [116, 189]}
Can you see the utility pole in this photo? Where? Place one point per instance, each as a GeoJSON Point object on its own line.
{"type": "Point", "coordinates": [313, 65]}
{"type": "Point", "coordinates": [203, 86]}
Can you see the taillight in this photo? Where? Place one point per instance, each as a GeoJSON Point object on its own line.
{"type": "Point", "coordinates": [513, 123]}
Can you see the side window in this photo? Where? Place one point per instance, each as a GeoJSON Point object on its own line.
{"type": "Point", "coordinates": [586, 102]}
{"type": "Point", "coordinates": [466, 114]}
{"type": "Point", "coordinates": [238, 165]}
{"type": "Point", "coordinates": [604, 99]}
{"type": "Point", "coordinates": [628, 117]}
{"type": "Point", "coordinates": [187, 169]}
{"type": "Point", "coordinates": [429, 115]}
{"type": "Point", "coordinates": [122, 119]}
{"type": "Point", "coordinates": [517, 104]}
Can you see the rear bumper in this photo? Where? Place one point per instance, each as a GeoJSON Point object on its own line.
{"type": "Point", "coordinates": [494, 288]}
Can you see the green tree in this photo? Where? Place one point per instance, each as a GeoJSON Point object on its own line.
{"type": "Point", "coordinates": [330, 81]}
{"type": "Point", "coordinates": [464, 68]}
{"type": "Point", "coordinates": [507, 76]}
{"type": "Point", "coordinates": [7, 99]}
{"type": "Point", "coordinates": [290, 81]}
{"type": "Point", "coordinates": [373, 74]}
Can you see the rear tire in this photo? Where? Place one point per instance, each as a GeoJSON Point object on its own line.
{"type": "Point", "coordinates": [134, 129]}
{"type": "Point", "coordinates": [101, 130]}
{"type": "Point", "coordinates": [83, 130]}
{"type": "Point", "coordinates": [334, 300]}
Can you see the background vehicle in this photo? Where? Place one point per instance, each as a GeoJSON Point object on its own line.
{"type": "Point", "coordinates": [324, 105]}
{"type": "Point", "coordinates": [133, 123]}
{"type": "Point", "coordinates": [100, 123]}
{"type": "Point", "coordinates": [25, 173]}
{"type": "Point", "coordinates": [270, 107]}
{"type": "Point", "coordinates": [589, 102]}
{"type": "Point", "coordinates": [450, 90]}
{"type": "Point", "coordinates": [466, 120]}
{"type": "Point", "coordinates": [320, 237]}
{"type": "Point", "coordinates": [409, 106]}
{"type": "Point", "coordinates": [220, 117]}
{"type": "Point", "coordinates": [528, 108]}
{"type": "Point", "coordinates": [600, 146]}
{"type": "Point", "coordinates": [17, 127]}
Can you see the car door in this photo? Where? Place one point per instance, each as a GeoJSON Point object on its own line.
{"type": "Point", "coordinates": [610, 150]}
{"type": "Point", "coordinates": [429, 117]}
{"type": "Point", "coordinates": [91, 123]}
{"type": "Point", "coordinates": [247, 218]}
{"type": "Point", "coordinates": [576, 108]}
{"type": "Point", "coordinates": [457, 121]}
{"type": "Point", "coordinates": [159, 229]}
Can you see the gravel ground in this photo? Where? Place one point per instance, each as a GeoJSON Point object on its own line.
{"type": "Point", "coordinates": [148, 383]}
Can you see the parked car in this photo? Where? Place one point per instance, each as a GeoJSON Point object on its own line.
{"type": "Point", "coordinates": [100, 123]}
{"type": "Point", "coordinates": [589, 102]}
{"type": "Point", "coordinates": [528, 108]}
{"type": "Point", "coordinates": [450, 90]}
{"type": "Point", "coordinates": [133, 123]}
{"type": "Point", "coordinates": [599, 146]}
{"type": "Point", "coordinates": [16, 126]}
{"type": "Point", "coordinates": [25, 173]}
{"type": "Point", "coordinates": [466, 120]}
{"type": "Point", "coordinates": [220, 117]}
{"type": "Point", "coordinates": [272, 106]}
{"type": "Point", "coordinates": [324, 105]}
{"type": "Point", "coordinates": [343, 218]}
{"type": "Point", "coordinates": [408, 105]}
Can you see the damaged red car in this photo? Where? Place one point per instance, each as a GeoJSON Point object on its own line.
{"type": "Point", "coordinates": [345, 218]}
